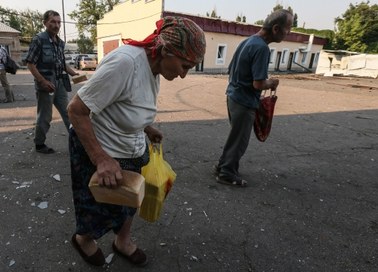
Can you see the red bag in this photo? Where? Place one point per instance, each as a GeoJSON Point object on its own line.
{"type": "Point", "coordinates": [264, 115]}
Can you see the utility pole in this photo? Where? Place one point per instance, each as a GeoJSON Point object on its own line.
{"type": "Point", "coordinates": [64, 22]}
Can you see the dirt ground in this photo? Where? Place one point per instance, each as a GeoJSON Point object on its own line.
{"type": "Point", "coordinates": [311, 203]}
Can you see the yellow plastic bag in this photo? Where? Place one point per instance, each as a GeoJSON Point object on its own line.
{"type": "Point", "coordinates": [159, 178]}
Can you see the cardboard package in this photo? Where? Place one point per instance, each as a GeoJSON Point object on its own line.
{"type": "Point", "coordinates": [130, 193]}
{"type": "Point", "coordinates": [78, 79]}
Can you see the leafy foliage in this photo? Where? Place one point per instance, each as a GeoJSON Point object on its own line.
{"type": "Point", "coordinates": [88, 13]}
{"type": "Point", "coordinates": [259, 22]}
{"type": "Point", "coordinates": [84, 44]}
{"type": "Point", "coordinates": [241, 18]}
{"type": "Point", "coordinates": [357, 29]}
{"type": "Point", "coordinates": [278, 7]}
{"type": "Point", "coordinates": [213, 14]}
{"type": "Point", "coordinates": [28, 22]}
{"type": "Point", "coordinates": [325, 33]}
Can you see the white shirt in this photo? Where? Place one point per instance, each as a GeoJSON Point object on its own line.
{"type": "Point", "coordinates": [122, 96]}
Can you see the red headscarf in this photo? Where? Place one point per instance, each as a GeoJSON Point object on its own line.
{"type": "Point", "coordinates": [180, 36]}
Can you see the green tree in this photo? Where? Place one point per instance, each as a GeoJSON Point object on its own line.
{"type": "Point", "coordinates": [88, 13]}
{"type": "Point", "coordinates": [278, 7]}
{"type": "Point", "coordinates": [28, 22]}
{"type": "Point", "coordinates": [325, 33]}
{"type": "Point", "coordinates": [213, 14]}
{"type": "Point", "coordinates": [357, 28]}
{"type": "Point", "coordinates": [241, 18]}
{"type": "Point", "coordinates": [295, 20]}
{"type": "Point", "coordinates": [85, 44]}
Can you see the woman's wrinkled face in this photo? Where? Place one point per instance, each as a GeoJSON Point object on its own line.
{"type": "Point", "coordinates": [172, 66]}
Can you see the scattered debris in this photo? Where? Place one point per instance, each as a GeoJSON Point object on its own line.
{"type": "Point", "coordinates": [56, 177]}
{"type": "Point", "coordinates": [43, 205]}
{"type": "Point", "coordinates": [194, 258]}
{"type": "Point", "coordinates": [12, 262]}
{"type": "Point", "coordinates": [355, 85]}
{"type": "Point", "coordinates": [109, 259]}
{"type": "Point", "coordinates": [25, 184]}
{"type": "Point", "coordinates": [61, 211]}
{"type": "Point", "coordinates": [206, 215]}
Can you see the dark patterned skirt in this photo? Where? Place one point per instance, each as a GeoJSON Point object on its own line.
{"type": "Point", "coordinates": [93, 218]}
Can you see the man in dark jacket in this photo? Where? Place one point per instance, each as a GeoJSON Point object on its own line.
{"type": "Point", "coordinates": [45, 61]}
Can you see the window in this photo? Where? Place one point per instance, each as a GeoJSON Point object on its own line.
{"type": "Point", "coordinates": [285, 56]}
{"type": "Point", "coordinates": [221, 54]}
{"type": "Point", "coordinates": [295, 58]}
{"type": "Point", "coordinates": [272, 55]}
{"type": "Point", "coordinates": [304, 57]}
{"type": "Point", "coordinates": [316, 58]}
{"type": "Point", "coordinates": [134, 1]}
{"type": "Point", "coordinates": [146, 1]}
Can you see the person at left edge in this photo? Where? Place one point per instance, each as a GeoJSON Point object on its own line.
{"type": "Point", "coordinates": [45, 61]}
{"type": "Point", "coordinates": [9, 96]}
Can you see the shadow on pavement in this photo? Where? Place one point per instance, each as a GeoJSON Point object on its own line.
{"type": "Point", "coordinates": [311, 204]}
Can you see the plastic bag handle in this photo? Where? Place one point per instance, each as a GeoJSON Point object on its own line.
{"type": "Point", "coordinates": [157, 147]}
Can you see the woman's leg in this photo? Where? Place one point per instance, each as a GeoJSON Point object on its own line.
{"type": "Point", "coordinates": [87, 244]}
{"type": "Point", "coordinates": [123, 238]}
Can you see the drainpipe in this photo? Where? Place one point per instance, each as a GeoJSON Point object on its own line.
{"type": "Point", "coordinates": [307, 49]}
{"type": "Point", "coordinates": [300, 65]}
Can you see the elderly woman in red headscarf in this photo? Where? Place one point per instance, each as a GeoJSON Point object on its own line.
{"type": "Point", "coordinates": [110, 116]}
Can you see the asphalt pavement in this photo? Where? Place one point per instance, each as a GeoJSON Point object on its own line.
{"type": "Point", "coordinates": [311, 203]}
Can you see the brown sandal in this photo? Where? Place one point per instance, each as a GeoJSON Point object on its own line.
{"type": "Point", "coordinates": [96, 259]}
{"type": "Point", "coordinates": [137, 258]}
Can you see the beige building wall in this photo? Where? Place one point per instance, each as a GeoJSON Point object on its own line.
{"type": "Point", "coordinates": [281, 53]}
{"type": "Point", "coordinates": [136, 19]}
{"type": "Point", "coordinates": [131, 19]}
{"type": "Point", "coordinates": [295, 56]}
{"type": "Point", "coordinates": [219, 61]}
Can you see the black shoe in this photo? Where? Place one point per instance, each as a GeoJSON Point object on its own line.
{"type": "Point", "coordinates": [44, 149]}
{"type": "Point", "coordinates": [236, 181]}
{"type": "Point", "coordinates": [216, 170]}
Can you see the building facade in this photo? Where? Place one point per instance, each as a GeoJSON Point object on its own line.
{"type": "Point", "coordinates": [10, 39]}
{"type": "Point", "coordinates": [136, 19]}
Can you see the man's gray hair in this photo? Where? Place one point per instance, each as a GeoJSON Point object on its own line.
{"type": "Point", "coordinates": [49, 13]}
{"type": "Point", "coordinates": [278, 17]}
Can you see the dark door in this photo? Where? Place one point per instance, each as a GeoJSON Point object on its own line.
{"type": "Point", "coordinates": [290, 61]}
{"type": "Point", "coordinates": [199, 67]}
{"type": "Point", "coordinates": [312, 60]}
{"type": "Point", "coordinates": [278, 61]}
